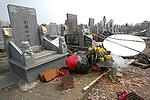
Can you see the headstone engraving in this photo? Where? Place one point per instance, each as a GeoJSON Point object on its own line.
{"type": "Point", "coordinates": [72, 39]}
{"type": "Point", "coordinates": [87, 41]}
{"type": "Point", "coordinates": [24, 23]}
{"type": "Point", "coordinates": [72, 23]}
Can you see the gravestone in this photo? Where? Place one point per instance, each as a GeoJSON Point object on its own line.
{"type": "Point", "coordinates": [58, 29]}
{"type": "Point", "coordinates": [2, 46]}
{"type": "Point", "coordinates": [72, 39]}
{"type": "Point", "coordinates": [53, 29]}
{"type": "Point", "coordinates": [79, 41]}
{"type": "Point", "coordinates": [96, 29]}
{"type": "Point", "coordinates": [91, 24]}
{"type": "Point", "coordinates": [72, 23]}
{"type": "Point", "coordinates": [23, 23]}
{"type": "Point", "coordinates": [48, 28]}
{"type": "Point", "coordinates": [101, 27]}
{"type": "Point", "coordinates": [147, 33]}
{"type": "Point", "coordinates": [112, 29]}
{"type": "Point", "coordinates": [104, 21]}
{"type": "Point", "coordinates": [48, 31]}
{"type": "Point", "coordinates": [87, 41]}
{"type": "Point", "coordinates": [29, 52]}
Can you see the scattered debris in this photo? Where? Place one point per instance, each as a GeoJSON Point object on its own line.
{"type": "Point", "coordinates": [93, 82]}
{"type": "Point", "coordinates": [67, 82]}
{"type": "Point", "coordinates": [132, 96]}
{"type": "Point", "coordinates": [122, 94]}
{"type": "Point", "coordinates": [48, 75]}
{"type": "Point", "coordinates": [142, 61]}
{"type": "Point", "coordinates": [64, 71]}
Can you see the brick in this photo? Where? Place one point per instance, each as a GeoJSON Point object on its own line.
{"type": "Point", "coordinates": [42, 77]}
{"type": "Point", "coordinates": [48, 75]}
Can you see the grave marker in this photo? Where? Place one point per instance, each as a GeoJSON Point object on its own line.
{"type": "Point", "coordinates": [72, 39]}
{"type": "Point", "coordinates": [29, 52]}
{"type": "Point", "coordinates": [91, 24]}
{"type": "Point", "coordinates": [24, 23]}
{"type": "Point", "coordinates": [72, 23]}
{"type": "Point", "coordinates": [53, 29]}
{"type": "Point", "coordinates": [1, 35]}
{"type": "Point", "coordinates": [2, 46]}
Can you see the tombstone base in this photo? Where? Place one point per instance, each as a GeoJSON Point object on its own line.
{"type": "Point", "coordinates": [82, 48]}
{"type": "Point", "coordinates": [31, 73]}
{"type": "Point", "coordinates": [2, 45]}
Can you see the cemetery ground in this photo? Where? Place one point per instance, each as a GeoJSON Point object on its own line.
{"type": "Point", "coordinates": [134, 79]}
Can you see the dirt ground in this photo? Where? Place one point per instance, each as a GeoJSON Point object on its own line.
{"type": "Point", "coordinates": [134, 79]}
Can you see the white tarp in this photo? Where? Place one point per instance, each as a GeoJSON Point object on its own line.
{"type": "Point", "coordinates": [124, 45]}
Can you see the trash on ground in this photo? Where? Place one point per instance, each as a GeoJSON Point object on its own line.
{"type": "Point", "coordinates": [94, 81]}
{"type": "Point", "coordinates": [96, 68]}
{"type": "Point", "coordinates": [67, 82]}
{"type": "Point", "coordinates": [71, 62]}
{"type": "Point", "coordinates": [64, 71]}
{"type": "Point", "coordinates": [83, 66]}
{"type": "Point", "coordinates": [127, 95]}
{"type": "Point", "coordinates": [122, 94]}
{"type": "Point", "coordinates": [142, 60]}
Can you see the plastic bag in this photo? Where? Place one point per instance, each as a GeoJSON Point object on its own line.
{"type": "Point", "coordinates": [71, 62]}
{"type": "Point", "coordinates": [83, 66]}
{"type": "Point", "coordinates": [120, 62]}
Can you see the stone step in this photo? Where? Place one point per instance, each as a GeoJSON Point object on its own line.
{"type": "Point", "coordinates": [43, 54]}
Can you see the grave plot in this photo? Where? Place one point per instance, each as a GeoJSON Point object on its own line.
{"type": "Point", "coordinates": [29, 52]}
{"type": "Point", "coordinates": [77, 39]}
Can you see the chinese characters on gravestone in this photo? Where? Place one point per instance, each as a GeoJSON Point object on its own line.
{"type": "Point", "coordinates": [26, 28]}
{"type": "Point", "coordinates": [72, 23]}
{"type": "Point", "coordinates": [24, 25]}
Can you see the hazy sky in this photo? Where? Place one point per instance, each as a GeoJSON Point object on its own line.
{"type": "Point", "coordinates": [122, 11]}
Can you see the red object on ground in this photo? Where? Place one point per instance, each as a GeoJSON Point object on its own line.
{"type": "Point", "coordinates": [64, 71]}
{"type": "Point", "coordinates": [122, 94]}
{"type": "Point", "coordinates": [71, 62]}
{"type": "Point", "coordinates": [67, 82]}
{"type": "Point", "coordinates": [95, 68]}
{"type": "Point", "coordinates": [57, 78]}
